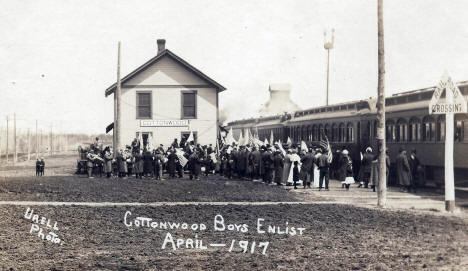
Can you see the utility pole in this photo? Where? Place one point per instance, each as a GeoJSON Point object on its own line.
{"type": "Point", "coordinates": [328, 45]}
{"type": "Point", "coordinates": [37, 144]}
{"type": "Point", "coordinates": [382, 187]}
{"type": "Point", "coordinates": [51, 140]}
{"type": "Point", "coordinates": [40, 144]}
{"type": "Point", "coordinates": [29, 145]}
{"type": "Point", "coordinates": [117, 112]}
{"type": "Point", "coordinates": [15, 157]}
{"type": "Point", "coordinates": [0, 146]}
{"type": "Point", "coordinates": [7, 152]}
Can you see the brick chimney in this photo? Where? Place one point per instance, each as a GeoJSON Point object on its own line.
{"type": "Point", "coordinates": [161, 45]}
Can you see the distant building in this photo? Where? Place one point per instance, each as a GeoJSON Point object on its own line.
{"type": "Point", "coordinates": [168, 98]}
{"type": "Point", "coordinates": [279, 102]}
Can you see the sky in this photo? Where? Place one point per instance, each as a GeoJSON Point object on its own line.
{"type": "Point", "coordinates": [58, 57]}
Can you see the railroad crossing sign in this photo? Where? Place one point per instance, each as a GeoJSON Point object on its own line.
{"type": "Point", "coordinates": [457, 104]}
{"type": "Point", "coordinates": [453, 103]}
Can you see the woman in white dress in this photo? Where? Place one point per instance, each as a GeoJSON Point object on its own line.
{"type": "Point", "coordinates": [316, 169]}
{"type": "Point", "coordinates": [293, 158]}
{"type": "Point", "coordinates": [287, 166]}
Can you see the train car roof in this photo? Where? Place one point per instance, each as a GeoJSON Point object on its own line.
{"type": "Point", "coordinates": [402, 101]}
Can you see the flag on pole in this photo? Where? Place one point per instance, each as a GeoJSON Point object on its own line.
{"type": "Point", "coordinates": [325, 144]}
{"type": "Point", "coordinates": [180, 155]}
{"type": "Point", "coordinates": [289, 142]}
{"type": "Point", "coordinates": [271, 137]}
{"type": "Point", "coordinates": [280, 146]}
{"type": "Point", "coordinates": [230, 138]}
{"type": "Point", "coordinates": [303, 146]}
{"type": "Point", "coordinates": [247, 137]}
{"type": "Point", "coordinates": [150, 142]}
{"type": "Point", "coordinates": [190, 138]}
{"type": "Point", "coordinates": [140, 139]}
{"type": "Point", "coordinates": [266, 141]}
{"type": "Point", "coordinates": [252, 140]}
{"type": "Point", "coordinates": [241, 140]}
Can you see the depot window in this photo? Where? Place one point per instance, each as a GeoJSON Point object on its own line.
{"type": "Point", "coordinates": [146, 137]}
{"type": "Point", "coordinates": [143, 105]}
{"type": "Point", "coordinates": [185, 136]}
{"type": "Point", "coordinates": [189, 104]}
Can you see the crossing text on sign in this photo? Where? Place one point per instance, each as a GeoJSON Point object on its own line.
{"type": "Point", "coordinates": [446, 108]}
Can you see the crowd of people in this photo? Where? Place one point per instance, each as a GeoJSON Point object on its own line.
{"type": "Point", "coordinates": [289, 164]}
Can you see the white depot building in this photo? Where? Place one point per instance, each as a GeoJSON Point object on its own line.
{"type": "Point", "coordinates": [168, 98]}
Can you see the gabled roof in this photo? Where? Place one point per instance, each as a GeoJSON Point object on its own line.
{"type": "Point", "coordinates": [155, 59]}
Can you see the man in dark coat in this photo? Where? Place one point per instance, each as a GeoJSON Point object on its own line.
{"type": "Point", "coordinates": [416, 170]}
{"type": "Point", "coordinates": [158, 161]}
{"type": "Point", "coordinates": [122, 164]}
{"type": "Point", "coordinates": [195, 163]}
{"type": "Point", "coordinates": [234, 158]}
{"type": "Point", "coordinates": [278, 162]}
{"type": "Point", "coordinates": [307, 169]}
{"type": "Point", "coordinates": [108, 162]}
{"type": "Point", "coordinates": [256, 158]}
{"type": "Point", "coordinates": [175, 144]}
{"type": "Point", "coordinates": [324, 167]}
{"type": "Point", "coordinates": [135, 145]}
{"type": "Point", "coordinates": [241, 162]}
{"type": "Point", "coordinates": [171, 163]}
{"type": "Point", "coordinates": [147, 164]}
{"type": "Point", "coordinates": [138, 164]}
{"type": "Point", "coordinates": [403, 170]}
{"type": "Point", "coordinates": [366, 167]}
{"type": "Point", "coordinates": [267, 159]}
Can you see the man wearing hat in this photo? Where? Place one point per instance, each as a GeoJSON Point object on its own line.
{"type": "Point", "coordinates": [267, 159]}
{"type": "Point", "coordinates": [307, 169]}
{"type": "Point", "coordinates": [403, 170]}
{"type": "Point", "coordinates": [278, 162]}
{"type": "Point", "coordinates": [324, 167]}
{"type": "Point", "coordinates": [256, 158]}
{"type": "Point", "coordinates": [158, 164]}
{"type": "Point", "coordinates": [366, 167]}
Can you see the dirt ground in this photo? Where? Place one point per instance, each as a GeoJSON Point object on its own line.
{"type": "Point", "coordinates": [335, 237]}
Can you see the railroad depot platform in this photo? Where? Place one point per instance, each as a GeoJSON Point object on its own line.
{"type": "Point", "coordinates": [428, 198]}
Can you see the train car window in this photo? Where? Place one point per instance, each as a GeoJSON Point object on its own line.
{"type": "Point", "coordinates": [349, 133]}
{"type": "Point", "coordinates": [342, 133]}
{"type": "Point", "coordinates": [334, 132]}
{"type": "Point", "coordinates": [428, 129]}
{"type": "Point", "coordinates": [314, 132]}
{"type": "Point", "coordinates": [440, 133]}
{"type": "Point", "coordinates": [414, 130]}
{"type": "Point", "coordinates": [327, 130]}
{"type": "Point", "coordinates": [401, 130]}
{"type": "Point", "coordinates": [320, 134]}
{"type": "Point", "coordinates": [376, 124]}
{"type": "Point", "coordinates": [390, 131]}
{"type": "Point", "coordinates": [459, 130]}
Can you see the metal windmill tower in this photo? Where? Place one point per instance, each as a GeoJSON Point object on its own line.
{"type": "Point", "coordinates": [328, 45]}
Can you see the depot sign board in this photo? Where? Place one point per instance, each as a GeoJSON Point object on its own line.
{"type": "Point", "coordinates": [454, 101]}
{"type": "Point", "coordinates": [164, 123]}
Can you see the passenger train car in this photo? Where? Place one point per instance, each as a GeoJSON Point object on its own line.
{"type": "Point", "coordinates": [354, 125]}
